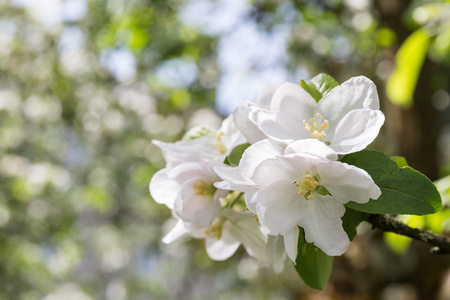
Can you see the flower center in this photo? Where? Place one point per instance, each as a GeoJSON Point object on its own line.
{"type": "Point", "coordinates": [310, 184]}
{"type": "Point", "coordinates": [204, 188]}
{"type": "Point", "coordinates": [215, 230]}
{"type": "Point", "coordinates": [317, 128]}
{"type": "Point", "coordinates": [219, 144]}
{"type": "Point", "coordinates": [307, 186]}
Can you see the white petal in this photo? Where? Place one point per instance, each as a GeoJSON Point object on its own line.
{"type": "Point", "coordinates": [198, 209]}
{"type": "Point", "coordinates": [284, 131]}
{"type": "Point", "coordinates": [265, 96]}
{"type": "Point", "coordinates": [188, 150]}
{"type": "Point", "coordinates": [223, 248]}
{"type": "Point", "coordinates": [186, 171]}
{"type": "Point", "coordinates": [232, 179]}
{"type": "Point", "coordinates": [231, 135]}
{"type": "Point", "coordinates": [274, 169]}
{"type": "Point", "coordinates": [290, 105]}
{"type": "Point", "coordinates": [163, 189]}
{"type": "Point", "coordinates": [279, 207]}
{"type": "Point", "coordinates": [250, 131]}
{"type": "Point", "coordinates": [321, 219]}
{"type": "Point", "coordinates": [357, 130]}
{"type": "Point", "coordinates": [313, 147]}
{"type": "Point", "coordinates": [276, 251]}
{"type": "Point", "coordinates": [290, 167]}
{"type": "Point", "coordinates": [176, 232]}
{"type": "Point", "coordinates": [291, 243]}
{"type": "Point", "coordinates": [292, 97]}
{"type": "Point", "coordinates": [255, 154]}
{"type": "Point", "coordinates": [251, 198]}
{"type": "Point", "coordinates": [347, 183]}
{"type": "Point", "coordinates": [356, 93]}
{"type": "Point", "coordinates": [245, 228]}
{"type": "Point", "coordinates": [195, 230]}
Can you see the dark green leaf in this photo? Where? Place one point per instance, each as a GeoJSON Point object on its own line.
{"type": "Point", "coordinates": [319, 85]}
{"type": "Point", "coordinates": [351, 220]}
{"type": "Point", "coordinates": [235, 155]}
{"type": "Point", "coordinates": [404, 190]}
{"type": "Point", "coordinates": [313, 266]}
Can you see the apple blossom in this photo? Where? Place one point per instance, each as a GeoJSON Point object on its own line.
{"type": "Point", "coordinates": [305, 186]}
{"type": "Point", "coordinates": [186, 184]}
{"type": "Point", "coordinates": [293, 179]}
{"type": "Point", "coordinates": [347, 118]}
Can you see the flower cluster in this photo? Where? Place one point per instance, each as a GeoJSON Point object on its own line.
{"type": "Point", "coordinates": [186, 186]}
{"type": "Point", "coordinates": [290, 176]}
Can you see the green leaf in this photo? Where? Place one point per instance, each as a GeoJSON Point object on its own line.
{"type": "Point", "coordinates": [312, 264]}
{"type": "Point", "coordinates": [319, 85]}
{"type": "Point", "coordinates": [403, 190]}
{"type": "Point", "coordinates": [351, 219]}
{"type": "Point", "coordinates": [235, 155]}
{"type": "Point", "coordinates": [408, 63]}
{"type": "Point", "coordinates": [400, 160]}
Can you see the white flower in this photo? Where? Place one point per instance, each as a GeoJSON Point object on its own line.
{"type": "Point", "coordinates": [186, 184]}
{"type": "Point", "coordinates": [347, 119]}
{"type": "Point", "coordinates": [302, 186]}
{"type": "Point", "coordinates": [223, 237]}
{"type": "Point", "coordinates": [188, 189]}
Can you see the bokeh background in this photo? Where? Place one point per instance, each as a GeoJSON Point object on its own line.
{"type": "Point", "coordinates": [85, 85]}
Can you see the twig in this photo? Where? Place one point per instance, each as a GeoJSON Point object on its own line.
{"type": "Point", "coordinates": [440, 242]}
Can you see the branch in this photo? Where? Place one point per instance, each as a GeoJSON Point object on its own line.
{"type": "Point", "coordinates": [440, 242]}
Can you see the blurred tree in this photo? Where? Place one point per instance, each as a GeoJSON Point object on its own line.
{"type": "Point", "coordinates": [83, 92]}
{"type": "Point", "coordinates": [86, 85]}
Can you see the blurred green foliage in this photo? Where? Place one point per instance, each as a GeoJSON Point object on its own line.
{"type": "Point", "coordinates": [81, 97]}
{"type": "Point", "coordinates": [76, 154]}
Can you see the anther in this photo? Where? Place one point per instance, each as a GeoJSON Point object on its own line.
{"type": "Point", "coordinates": [204, 188]}
{"type": "Point", "coordinates": [313, 128]}
{"type": "Point", "coordinates": [307, 185]}
{"type": "Point", "coordinates": [219, 145]}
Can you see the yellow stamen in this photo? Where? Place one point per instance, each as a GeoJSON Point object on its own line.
{"type": "Point", "coordinates": [313, 128]}
{"type": "Point", "coordinates": [219, 145]}
{"type": "Point", "coordinates": [204, 188]}
{"type": "Point", "coordinates": [307, 186]}
{"type": "Point", "coordinates": [256, 217]}
{"type": "Point", "coordinates": [215, 230]}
